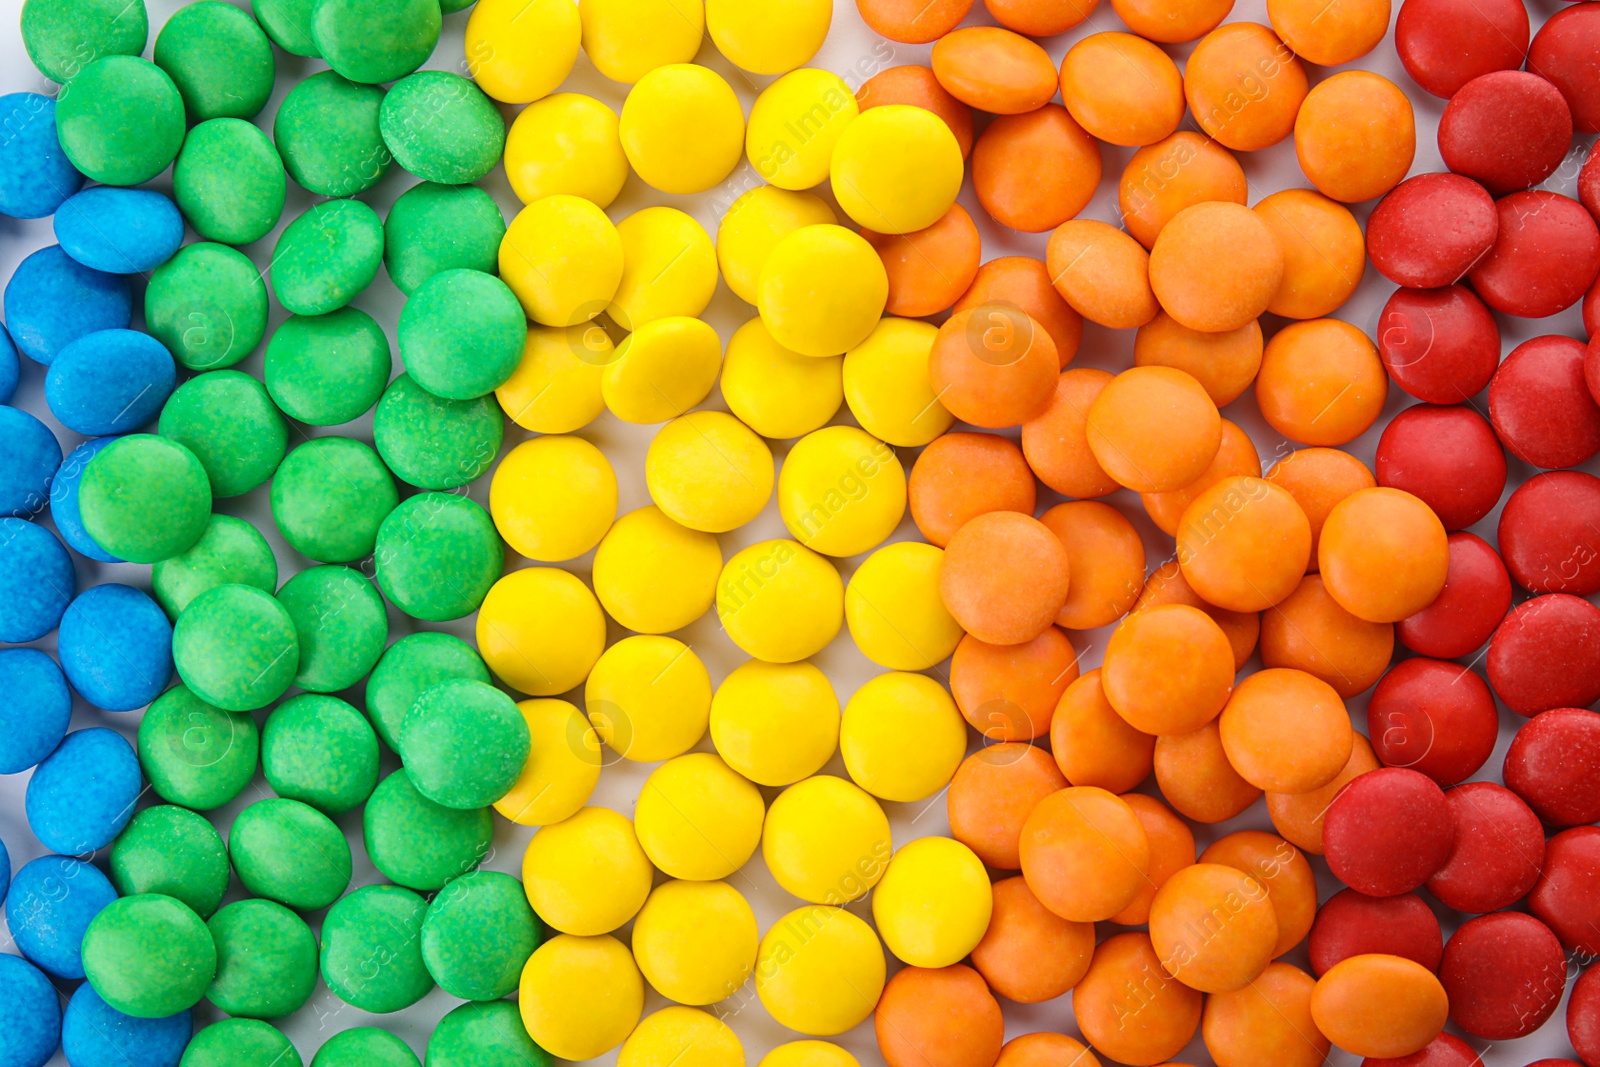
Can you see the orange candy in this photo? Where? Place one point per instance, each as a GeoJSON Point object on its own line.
{"type": "Point", "coordinates": [1286, 731]}
{"type": "Point", "coordinates": [1056, 443]}
{"type": "Point", "coordinates": [1290, 883]}
{"type": "Point", "coordinates": [1321, 382]}
{"type": "Point", "coordinates": [1084, 853]}
{"type": "Point", "coordinates": [1010, 692]}
{"type": "Point", "coordinates": [1122, 89]}
{"type": "Point", "coordinates": [1172, 21]}
{"type": "Point", "coordinates": [1324, 253]}
{"type": "Point", "coordinates": [1224, 364]}
{"type": "Point", "coordinates": [1299, 817]}
{"type": "Point", "coordinates": [1244, 544]}
{"type": "Point", "coordinates": [991, 795]}
{"type": "Point", "coordinates": [1023, 282]}
{"type": "Point", "coordinates": [1128, 1007]}
{"type": "Point", "coordinates": [1040, 18]}
{"type": "Point", "coordinates": [1106, 557]}
{"type": "Point", "coordinates": [1035, 170]}
{"type": "Point", "coordinates": [1310, 632]}
{"type": "Point", "coordinates": [1102, 272]}
{"type": "Point", "coordinates": [1162, 179]}
{"type": "Point", "coordinates": [928, 269]}
{"type": "Point", "coordinates": [1029, 953]}
{"type": "Point", "coordinates": [962, 475]}
{"type": "Point", "coordinates": [1213, 927]}
{"type": "Point", "coordinates": [1171, 850]}
{"type": "Point", "coordinates": [1168, 670]}
{"type": "Point", "coordinates": [1216, 267]}
{"type": "Point", "coordinates": [1004, 577]}
{"type": "Point", "coordinates": [1195, 776]}
{"type": "Point", "coordinates": [1330, 33]}
{"type": "Point", "coordinates": [1244, 86]}
{"type": "Point", "coordinates": [995, 369]}
{"type": "Point", "coordinates": [1046, 1050]}
{"type": "Point", "coordinates": [1092, 744]}
{"type": "Point", "coordinates": [915, 85]}
{"type": "Point", "coordinates": [1318, 478]}
{"type": "Point", "coordinates": [1268, 1021]}
{"type": "Point", "coordinates": [1383, 554]}
{"type": "Point", "coordinates": [1235, 458]}
{"type": "Point", "coordinates": [1379, 1006]}
{"type": "Point", "coordinates": [1355, 136]}
{"type": "Point", "coordinates": [1166, 585]}
{"type": "Point", "coordinates": [944, 1017]}
{"type": "Point", "coordinates": [1154, 429]}
{"type": "Point", "coordinates": [913, 21]}
{"type": "Point", "coordinates": [994, 70]}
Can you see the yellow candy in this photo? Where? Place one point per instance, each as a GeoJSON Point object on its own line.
{"type": "Point", "coordinates": [826, 840]}
{"type": "Point", "coordinates": [556, 387]}
{"type": "Point", "coordinates": [820, 971]}
{"type": "Point", "coordinates": [586, 875]}
{"type": "Point", "coordinates": [682, 128]}
{"type": "Point", "coordinates": [695, 941]}
{"type": "Point", "coordinates": [886, 384]}
{"type": "Point", "coordinates": [776, 392]}
{"type": "Point", "coordinates": [653, 575]}
{"type": "Point", "coordinates": [626, 39]}
{"type": "Point", "coordinates": [754, 224]}
{"type": "Point", "coordinates": [649, 698]}
{"type": "Point", "coordinates": [902, 737]}
{"type": "Point", "coordinates": [768, 36]}
{"type": "Point", "coordinates": [662, 370]}
{"type": "Point", "coordinates": [794, 124]}
{"type": "Point", "coordinates": [780, 601]}
{"type": "Point", "coordinates": [563, 259]}
{"type": "Point", "coordinates": [934, 902]}
{"type": "Point", "coordinates": [668, 268]}
{"type": "Point", "coordinates": [697, 819]}
{"type": "Point", "coordinates": [553, 497]}
{"type": "Point", "coordinates": [580, 997]}
{"type": "Point", "coordinates": [566, 143]}
{"type": "Point", "coordinates": [520, 50]}
{"type": "Point", "coordinates": [897, 169]}
{"type": "Point", "coordinates": [895, 613]}
{"type": "Point", "coordinates": [709, 471]}
{"type": "Point", "coordinates": [775, 723]}
{"type": "Point", "coordinates": [841, 491]}
{"type": "Point", "coordinates": [540, 630]}
{"type": "Point", "coordinates": [562, 769]}
{"type": "Point", "coordinates": [681, 1037]}
{"type": "Point", "coordinates": [822, 290]}
{"type": "Point", "coordinates": [809, 1054]}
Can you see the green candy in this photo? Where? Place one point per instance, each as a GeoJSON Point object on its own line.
{"type": "Point", "coordinates": [376, 922]}
{"type": "Point", "coordinates": [484, 1035]}
{"type": "Point", "coordinates": [329, 497]}
{"type": "Point", "coordinates": [62, 36]}
{"type": "Point", "coordinates": [434, 443]}
{"type": "Point", "coordinates": [229, 181]}
{"type": "Point", "coordinates": [120, 120]}
{"type": "Point", "coordinates": [478, 933]}
{"type": "Point", "coordinates": [144, 498]}
{"type": "Point", "coordinates": [437, 555]}
{"type": "Point", "coordinates": [464, 744]}
{"type": "Point", "coordinates": [240, 1043]}
{"type": "Point", "coordinates": [413, 665]}
{"type": "Point", "coordinates": [289, 852]}
{"type": "Point", "coordinates": [328, 369]}
{"type": "Point", "coordinates": [327, 132]}
{"type": "Point", "coordinates": [149, 956]}
{"type": "Point", "coordinates": [288, 23]}
{"type": "Point", "coordinates": [208, 305]}
{"type": "Point", "coordinates": [364, 1046]}
{"type": "Point", "coordinates": [342, 626]}
{"type": "Point", "coordinates": [441, 127]}
{"type": "Point", "coordinates": [461, 334]}
{"type": "Point", "coordinates": [230, 552]}
{"type": "Point", "coordinates": [236, 647]}
{"type": "Point", "coordinates": [320, 750]}
{"type": "Point", "coordinates": [266, 960]}
{"type": "Point", "coordinates": [196, 754]}
{"type": "Point", "coordinates": [230, 424]}
{"type": "Point", "coordinates": [218, 58]}
{"type": "Point", "coordinates": [375, 41]}
{"type": "Point", "coordinates": [327, 256]}
{"type": "Point", "coordinates": [171, 850]}
{"type": "Point", "coordinates": [433, 228]}
{"type": "Point", "coordinates": [417, 843]}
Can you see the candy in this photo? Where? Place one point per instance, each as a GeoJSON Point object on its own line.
{"type": "Point", "coordinates": [231, 425]}
{"type": "Point", "coordinates": [1179, 171]}
{"type": "Point", "coordinates": [540, 630]}
{"type": "Point", "coordinates": [769, 141]}
{"type": "Point", "coordinates": [149, 956]}
{"type": "Point", "coordinates": [10, 367]}
{"type": "Point", "coordinates": [1562, 896]}
{"type": "Point", "coordinates": [912, 23]}
{"type": "Point", "coordinates": [1239, 950]}
{"type": "Point", "coordinates": [1285, 731]}
{"type": "Point", "coordinates": [664, 1036]}
{"type": "Point", "coordinates": [1388, 831]}
{"type": "Point", "coordinates": [538, 254]}
{"type": "Point", "coordinates": [556, 387]}
{"type": "Point", "coordinates": [1183, 700]}
{"type": "Point", "coordinates": [327, 369]}
{"type": "Point", "coordinates": [171, 850]}
{"type": "Point", "coordinates": [1383, 554]}
{"type": "Point", "coordinates": [1411, 243]}
{"type": "Point", "coordinates": [1004, 578]}
{"type": "Point", "coordinates": [120, 231]}
{"type": "Point", "coordinates": [1507, 130]}
{"type": "Point", "coordinates": [52, 300]}
{"type": "Point", "coordinates": [929, 268]}
{"type": "Point", "coordinates": [782, 394]}
{"type": "Point", "coordinates": [682, 128]}
{"type": "Point", "coordinates": [1194, 775]}
{"type": "Point", "coordinates": [1440, 345]}
{"type": "Point", "coordinates": [587, 875]}
{"type": "Point", "coordinates": [230, 551]}
{"type": "Point", "coordinates": [218, 58]}
{"type": "Point", "coordinates": [326, 257]}
{"type": "Point", "coordinates": [364, 1046]}
{"type": "Point", "coordinates": [808, 1054]}
{"type": "Point", "coordinates": [289, 852]}
{"type": "Point", "coordinates": [195, 754]}
{"type": "Point", "coordinates": [232, 1040]}
{"type": "Point", "coordinates": [37, 580]}
{"type": "Point", "coordinates": [1236, 458]}
{"type": "Point", "coordinates": [841, 491]}
{"type": "Point", "coordinates": [1544, 533]}
{"type": "Point", "coordinates": [893, 609]}
{"type": "Point", "coordinates": [41, 706]}
{"type": "Point", "coordinates": [1244, 526]}
{"type": "Point", "coordinates": [832, 974]}
{"type": "Point", "coordinates": [1215, 301]}
{"type": "Point", "coordinates": [696, 819]}
{"type": "Point", "coordinates": [1499, 850]}
{"type": "Point", "coordinates": [366, 47]}
{"type": "Point", "coordinates": [892, 706]}
{"type": "Point", "coordinates": [780, 601]}
{"type": "Point", "coordinates": [993, 366]}
{"type": "Point", "coordinates": [109, 382]}
{"type": "Point", "coordinates": [1078, 829]}
{"type": "Point", "coordinates": [521, 53]}
{"type": "Point", "coordinates": [1350, 924]}
{"type": "Point", "coordinates": [1309, 631]}
{"type": "Point", "coordinates": [375, 921]}
{"type": "Point", "coordinates": [752, 227]}
{"type": "Point", "coordinates": [553, 497]}
{"type": "Point", "coordinates": [775, 723]}
{"type": "Point", "coordinates": [329, 497]}
{"type": "Point", "coordinates": [420, 844]}
{"type": "Point", "coordinates": [768, 38]}
{"type": "Point", "coordinates": [1547, 766]}
{"type": "Point", "coordinates": [463, 743]}
{"type": "Point", "coordinates": [1540, 407]}
{"type": "Point", "coordinates": [994, 70]}
{"type": "Point", "coordinates": [1379, 1005]}
{"type": "Point", "coordinates": [33, 456]}
{"type": "Point", "coordinates": [1330, 37]}
{"type": "Point", "coordinates": [962, 475]}
{"type": "Point", "coordinates": [31, 1016]}
{"type": "Point", "coordinates": [1028, 954]}
{"type": "Point", "coordinates": [1581, 1018]}
{"type": "Point", "coordinates": [1245, 86]}
{"type": "Point", "coordinates": [1504, 973]}
{"type": "Point", "coordinates": [120, 120]}
{"type": "Point", "coordinates": [562, 769]}
{"type": "Point", "coordinates": [1009, 692]}
{"type": "Point", "coordinates": [437, 556]}
{"type": "Point", "coordinates": [1444, 44]}
{"type": "Point", "coordinates": [1168, 1010]}
{"type": "Point", "coordinates": [229, 181]}
{"type": "Point", "coordinates": [208, 305]}
{"type": "Point", "coordinates": [35, 175]}
{"type": "Point", "coordinates": [50, 904]}
{"type": "Point", "coordinates": [1323, 256]}
{"type": "Point", "coordinates": [94, 1034]}
{"type": "Point", "coordinates": [826, 840]}
{"type": "Point", "coordinates": [1544, 258]}
{"type": "Point", "coordinates": [1102, 273]}
{"type": "Point", "coordinates": [115, 647]}
{"type": "Point", "coordinates": [663, 369]}
{"type": "Point", "coordinates": [441, 127]}
{"type": "Point", "coordinates": [1434, 717]}
{"type": "Point", "coordinates": [934, 902]}
{"type": "Point", "coordinates": [1342, 163]}
{"type": "Point", "coordinates": [266, 960]}
{"type": "Point", "coordinates": [477, 934]}
{"type": "Point", "coordinates": [1560, 53]}
{"type": "Point", "coordinates": [1449, 458]}
{"type": "Point", "coordinates": [669, 268]}
{"type": "Point", "coordinates": [340, 624]}
{"type": "Point", "coordinates": [410, 667]}
{"type": "Point", "coordinates": [822, 289]}
{"type": "Point", "coordinates": [695, 941]}
{"type": "Point", "coordinates": [483, 1033]}
{"type": "Point", "coordinates": [991, 795]}
{"type": "Point", "coordinates": [949, 1008]}
{"type": "Point", "coordinates": [62, 38]}
{"type": "Point", "coordinates": [82, 794]}
{"type": "Point", "coordinates": [1539, 657]}
{"type": "Point", "coordinates": [1025, 282]}
{"type": "Point", "coordinates": [626, 39]}
{"type": "Point", "coordinates": [326, 130]}
{"type": "Point", "coordinates": [434, 228]}
{"type": "Point", "coordinates": [320, 750]}
{"type": "Point", "coordinates": [1476, 597]}
{"type": "Point", "coordinates": [558, 994]}
{"type": "Point", "coordinates": [1122, 89]}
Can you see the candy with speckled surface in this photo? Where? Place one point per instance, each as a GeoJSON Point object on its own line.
{"type": "Point", "coordinates": [94, 1034]}
{"type": "Point", "coordinates": [119, 231]}
{"type": "Point", "coordinates": [51, 903]}
{"type": "Point", "coordinates": [52, 300]}
{"type": "Point", "coordinates": [28, 463]}
{"type": "Point", "coordinates": [109, 382]}
{"type": "Point", "coordinates": [82, 794]}
{"type": "Point", "coordinates": [115, 646]}
{"type": "Point", "coordinates": [38, 707]}
{"type": "Point", "coordinates": [35, 174]}
{"type": "Point", "coordinates": [173, 851]}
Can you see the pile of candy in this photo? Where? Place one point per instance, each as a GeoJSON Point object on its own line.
{"type": "Point", "coordinates": [1072, 797]}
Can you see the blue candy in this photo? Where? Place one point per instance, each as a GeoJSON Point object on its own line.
{"type": "Point", "coordinates": [35, 177]}
{"type": "Point", "coordinates": [115, 646]}
{"type": "Point", "coordinates": [52, 901]}
{"type": "Point", "coordinates": [119, 231]}
{"type": "Point", "coordinates": [29, 456]}
{"type": "Point", "coordinates": [5, 871]}
{"type": "Point", "coordinates": [35, 711]}
{"type": "Point", "coordinates": [82, 794]}
{"type": "Point", "coordinates": [94, 1034]}
{"type": "Point", "coordinates": [30, 1015]}
{"type": "Point", "coordinates": [64, 510]}
{"type": "Point", "coordinates": [52, 300]}
{"type": "Point", "coordinates": [36, 581]}
{"type": "Point", "coordinates": [112, 381]}
{"type": "Point", "coordinates": [10, 369]}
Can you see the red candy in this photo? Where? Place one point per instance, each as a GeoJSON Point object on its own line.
{"type": "Point", "coordinates": [1435, 717]}
{"type": "Point", "coordinates": [1540, 404]}
{"type": "Point", "coordinates": [1566, 53]}
{"type": "Point", "coordinates": [1429, 231]}
{"type": "Point", "coordinates": [1591, 353]}
{"type": "Point", "coordinates": [1544, 258]}
{"type": "Point", "coordinates": [1446, 1050]}
{"type": "Point", "coordinates": [1476, 596]}
{"type": "Point", "coordinates": [1589, 184]}
{"type": "Point", "coordinates": [1508, 130]}
{"type": "Point", "coordinates": [1546, 654]}
{"type": "Point", "coordinates": [1550, 533]}
{"type": "Point", "coordinates": [1567, 895]}
{"type": "Point", "coordinates": [1387, 831]}
{"type": "Point", "coordinates": [1498, 852]}
{"type": "Point", "coordinates": [1554, 765]}
{"type": "Point", "coordinates": [1446, 43]}
{"type": "Point", "coordinates": [1504, 974]}
{"type": "Point", "coordinates": [1440, 345]}
{"type": "Point", "coordinates": [1583, 1017]}
{"type": "Point", "coordinates": [1352, 924]}
{"type": "Point", "coordinates": [1591, 311]}
{"type": "Point", "coordinates": [1447, 457]}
